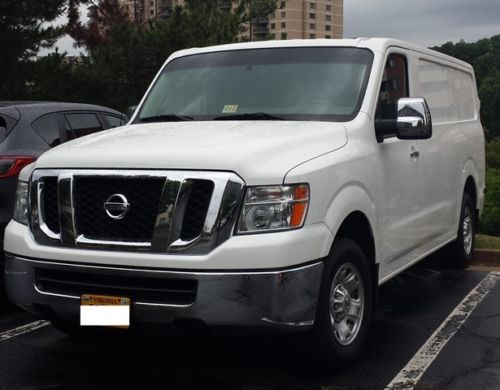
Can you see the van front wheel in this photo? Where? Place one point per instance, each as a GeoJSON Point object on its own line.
{"type": "Point", "coordinates": [345, 304]}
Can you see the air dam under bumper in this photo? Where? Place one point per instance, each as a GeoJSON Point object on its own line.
{"type": "Point", "coordinates": [279, 298]}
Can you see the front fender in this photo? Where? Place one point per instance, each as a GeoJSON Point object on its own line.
{"type": "Point", "coordinates": [351, 198]}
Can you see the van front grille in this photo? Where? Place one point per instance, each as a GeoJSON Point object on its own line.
{"type": "Point", "coordinates": [148, 211]}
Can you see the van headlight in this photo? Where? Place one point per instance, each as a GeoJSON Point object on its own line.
{"type": "Point", "coordinates": [21, 205]}
{"type": "Point", "coordinates": [274, 208]}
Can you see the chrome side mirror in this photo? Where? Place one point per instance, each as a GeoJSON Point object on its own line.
{"type": "Point", "coordinates": [414, 119]}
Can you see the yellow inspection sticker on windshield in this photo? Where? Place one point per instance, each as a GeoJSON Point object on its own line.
{"type": "Point", "coordinates": [230, 109]}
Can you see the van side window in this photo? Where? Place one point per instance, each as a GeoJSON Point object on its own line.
{"type": "Point", "coordinates": [394, 86]}
{"type": "Point", "coordinates": [448, 91]}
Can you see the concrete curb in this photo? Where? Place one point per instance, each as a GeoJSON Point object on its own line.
{"type": "Point", "coordinates": [488, 257]}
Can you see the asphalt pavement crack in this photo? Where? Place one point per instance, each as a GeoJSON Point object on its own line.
{"type": "Point", "coordinates": [467, 373]}
{"type": "Point", "coordinates": [476, 334]}
{"type": "Point", "coordinates": [486, 317]}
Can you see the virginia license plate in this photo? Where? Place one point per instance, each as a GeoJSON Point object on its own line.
{"type": "Point", "coordinates": [104, 310]}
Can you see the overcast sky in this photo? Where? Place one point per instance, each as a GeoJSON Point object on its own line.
{"type": "Point", "coordinates": [425, 22]}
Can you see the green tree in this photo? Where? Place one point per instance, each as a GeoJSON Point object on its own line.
{"type": "Point", "coordinates": [126, 55]}
{"type": "Point", "coordinates": [493, 155]}
{"type": "Point", "coordinates": [490, 220]}
{"type": "Point", "coordinates": [24, 29]}
{"type": "Point", "coordinates": [489, 94]}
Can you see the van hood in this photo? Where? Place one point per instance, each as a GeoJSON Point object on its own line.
{"type": "Point", "coordinates": [261, 152]}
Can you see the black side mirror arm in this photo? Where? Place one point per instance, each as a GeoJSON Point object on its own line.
{"type": "Point", "coordinates": [383, 127]}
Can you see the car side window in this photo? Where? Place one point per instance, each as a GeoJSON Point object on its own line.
{"type": "Point", "coordinates": [115, 121]}
{"type": "Point", "coordinates": [47, 127]}
{"type": "Point", "coordinates": [6, 125]}
{"type": "Point", "coordinates": [3, 129]}
{"type": "Point", "coordinates": [78, 125]}
{"type": "Point", "coordinates": [394, 87]}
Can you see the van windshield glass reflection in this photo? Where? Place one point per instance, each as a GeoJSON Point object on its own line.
{"type": "Point", "coordinates": [315, 83]}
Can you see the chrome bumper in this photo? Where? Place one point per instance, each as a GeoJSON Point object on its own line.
{"type": "Point", "coordinates": [279, 298]}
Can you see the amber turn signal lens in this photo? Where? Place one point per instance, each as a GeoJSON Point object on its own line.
{"type": "Point", "coordinates": [298, 214]}
{"type": "Point", "coordinates": [301, 193]}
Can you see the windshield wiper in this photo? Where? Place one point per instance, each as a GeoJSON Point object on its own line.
{"type": "Point", "coordinates": [166, 118]}
{"type": "Point", "coordinates": [258, 116]}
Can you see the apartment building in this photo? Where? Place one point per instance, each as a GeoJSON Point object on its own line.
{"type": "Point", "coordinates": [293, 19]}
{"type": "Point", "coordinates": [307, 19]}
{"type": "Point", "coordinates": [134, 9]}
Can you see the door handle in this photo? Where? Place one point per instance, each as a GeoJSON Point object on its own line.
{"type": "Point", "coordinates": [415, 154]}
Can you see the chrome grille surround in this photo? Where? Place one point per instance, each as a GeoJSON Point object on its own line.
{"type": "Point", "coordinates": [218, 226]}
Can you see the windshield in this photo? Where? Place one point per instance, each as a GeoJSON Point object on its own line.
{"type": "Point", "coordinates": [314, 83]}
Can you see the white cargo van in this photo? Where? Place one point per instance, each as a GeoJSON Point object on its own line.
{"type": "Point", "coordinates": [270, 184]}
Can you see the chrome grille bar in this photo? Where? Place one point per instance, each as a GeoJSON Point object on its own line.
{"type": "Point", "coordinates": [66, 210]}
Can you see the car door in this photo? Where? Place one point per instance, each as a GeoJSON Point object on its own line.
{"type": "Point", "coordinates": [399, 206]}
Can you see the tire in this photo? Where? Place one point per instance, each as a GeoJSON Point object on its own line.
{"type": "Point", "coordinates": [460, 250]}
{"type": "Point", "coordinates": [335, 343]}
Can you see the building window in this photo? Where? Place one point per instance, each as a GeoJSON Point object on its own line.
{"type": "Point", "coordinates": [312, 26]}
{"type": "Point", "coordinates": [312, 36]}
{"type": "Point", "coordinates": [312, 16]}
{"type": "Point", "coordinates": [283, 14]}
{"type": "Point", "coordinates": [273, 26]}
{"type": "Point", "coordinates": [283, 4]}
{"type": "Point", "coordinates": [283, 36]}
{"type": "Point", "coordinates": [152, 3]}
{"type": "Point", "coordinates": [312, 5]}
{"type": "Point", "coordinates": [328, 18]}
{"type": "Point", "coordinates": [283, 25]}
{"type": "Point", "coordinates": [328, 7]}
{"type": "Point", "coordinates": [152, 12]}
{"type": "Point", "coordinates": [272, 36]}
{"type": "Point", "coordinates": [328, 28]}
{"type": "Point", "coordinates": [328, 36]}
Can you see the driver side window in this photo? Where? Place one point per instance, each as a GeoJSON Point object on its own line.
{"type": "Point", "coordinates": [394, 86]}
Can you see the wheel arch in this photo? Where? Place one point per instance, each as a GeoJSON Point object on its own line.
{"type": "Point", "coordinates": [352, 207]}
{"type": "Point", "coordinates": [357, 228]}
{"type": "Point", "coordinates": [352, 215]}
{"type": "Point", "coordinates": [470, 188]}
{"type": "Point", "coordinates": [470, 182]}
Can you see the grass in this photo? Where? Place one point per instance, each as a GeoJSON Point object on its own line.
{"type": "Point", "coordinates": [487, 242]}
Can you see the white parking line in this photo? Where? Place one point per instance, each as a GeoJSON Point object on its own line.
{"type": "Point", "coordinates": [23, 329]}
{"type": "Point", "coordinates": [409, 376]}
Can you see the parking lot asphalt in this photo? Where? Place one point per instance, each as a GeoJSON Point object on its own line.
{"type": "Point", "coordinates": [412, 307]}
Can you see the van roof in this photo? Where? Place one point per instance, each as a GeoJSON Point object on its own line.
{"type": "Point", "coordinates": [374, 44]}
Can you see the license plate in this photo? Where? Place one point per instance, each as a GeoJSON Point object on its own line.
{"type": "Point", "coordinates": [104, 310]}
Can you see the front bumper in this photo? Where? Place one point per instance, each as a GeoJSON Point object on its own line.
{"type": "Point", "coordinates": [280, 298]}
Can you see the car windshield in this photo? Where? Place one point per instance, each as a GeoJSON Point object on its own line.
{"type": "Point", "coordinates": [313, 83]}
